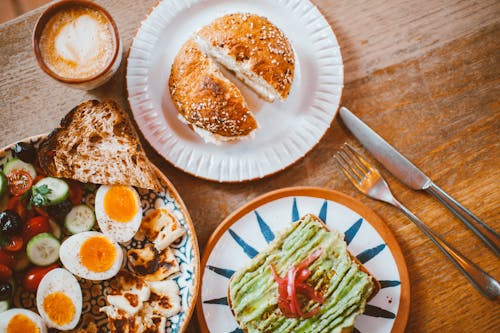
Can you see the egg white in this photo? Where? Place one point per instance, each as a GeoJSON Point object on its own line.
{"type": "Point", "coordinates": [60, 280]}
{"type": "Point", "coordinates": [69, 253]}
{"type": "Point", "coordinates": [6, 316]}
{"type": "Point", "coordinates": [116, 230]}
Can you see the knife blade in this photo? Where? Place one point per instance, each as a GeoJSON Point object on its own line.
{"type": "Point", "coordinates": [412, 176]}
{"type": "Point", "coordinates": [392, 160]}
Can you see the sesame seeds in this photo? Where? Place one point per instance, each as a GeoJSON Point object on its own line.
{"type": "Point", "coordinates": [253, 44]}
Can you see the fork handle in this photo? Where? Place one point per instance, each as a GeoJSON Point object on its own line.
{"type": "Point", "coordinates": [481, 280]}
{"type": "Point", "coordinates": [489, 236]}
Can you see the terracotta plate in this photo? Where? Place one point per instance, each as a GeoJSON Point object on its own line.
{"type": "Point", "coordinates": [185, 250]}
{"type": "Point", "coordinates": [248, 230]}
{"type": "Point", "coordinates": [288, 130]}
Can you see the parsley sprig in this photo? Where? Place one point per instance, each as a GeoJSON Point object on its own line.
{"type": "Point", "coordinates": [39, 196]}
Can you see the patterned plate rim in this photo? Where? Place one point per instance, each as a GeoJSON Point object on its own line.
{"type": "Point", "coordinates": [138, 95]}
{"type": "Point", "coordinates": [368, 214]}
{"type": "Point", "coordinates": [187, 217]}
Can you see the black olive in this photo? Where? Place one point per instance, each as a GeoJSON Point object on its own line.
{"type": "Point", "coordinates": [25, 152]}
{"type": "Point", "coordinates": [10, 222]}
{"type": "Point", "coordinates": [59, 211]}
{"type": "Point", "coordinates": [5, 291]}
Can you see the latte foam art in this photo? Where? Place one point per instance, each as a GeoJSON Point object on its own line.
{"type": "Point", "coordinates": [77, 43]}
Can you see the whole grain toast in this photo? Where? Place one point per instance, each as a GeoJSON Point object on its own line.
{"type": "Point", "coordinates": [263, 254]}
{"type": "Point", "coordinates": [96, 142]}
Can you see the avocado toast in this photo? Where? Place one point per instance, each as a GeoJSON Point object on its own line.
{"type": "Point", "coordinates": [334, 286]}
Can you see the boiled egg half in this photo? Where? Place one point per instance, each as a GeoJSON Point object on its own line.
{"type": "Point", "coordinates": [21, 321]}
{"type": "Point", "coordinates": [59, 299]}
{"type": "Point", "coordinates": [91, 255]}
{"type": "Point", "coordinates": [118, 211]}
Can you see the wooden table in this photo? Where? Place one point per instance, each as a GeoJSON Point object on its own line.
{"type": "Point", "coordinates": [424, 74]}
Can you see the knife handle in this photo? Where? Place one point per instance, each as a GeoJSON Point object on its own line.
{"type": "Point", "coordinates": [489, 236]}
{"type": "Point", "coordinates": [481, 280]}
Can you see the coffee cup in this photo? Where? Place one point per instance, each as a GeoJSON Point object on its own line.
{"type": "Point", "coordinates": [77, 43]}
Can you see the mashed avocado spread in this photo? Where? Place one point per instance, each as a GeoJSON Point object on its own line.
{"type": "Point", "coordinates": [253, 293]}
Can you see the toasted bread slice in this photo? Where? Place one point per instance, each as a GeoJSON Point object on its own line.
{"type": "Point", "coordinates": [344, 283]}
{"type": "Point", "coordinates": [97, 143]}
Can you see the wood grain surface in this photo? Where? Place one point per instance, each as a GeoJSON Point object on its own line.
{"type": "Point", "coordinates": [424, 74]}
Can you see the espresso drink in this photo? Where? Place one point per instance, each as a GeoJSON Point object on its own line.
{"type": "Point", "coordinates": [77, 42]}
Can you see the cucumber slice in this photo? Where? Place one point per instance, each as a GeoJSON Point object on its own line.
{"type": "Point", "coordinates": [4, 306]}
{"type": "Point", "coordinates": [3, 184]}
{"type": "Point", "coordinates": [16, 164]}
{"type": "Point", "coordinates": [58, 190]}
{"type": "Point", "coordinates": [43, 249]}
{"type": "Point", "coordinates": [79, 219]}
{"type": "Point", "coordinates": [55, 228]}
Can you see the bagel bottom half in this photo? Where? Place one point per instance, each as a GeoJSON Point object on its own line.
{"type": "Point", "coordinates": [206, 100]}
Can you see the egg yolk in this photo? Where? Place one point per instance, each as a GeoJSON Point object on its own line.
{"type": "Point", "coordinates": [97, 254]}
{"type": "Point", "coordinates": [59, 308]}
{"type": "Point", "coordinates": [22, 324]}
{"type": "Point", "coordinates": [120, 203]}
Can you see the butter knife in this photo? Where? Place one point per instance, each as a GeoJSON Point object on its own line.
{"type": "Point", "coordinates": [413, 177]}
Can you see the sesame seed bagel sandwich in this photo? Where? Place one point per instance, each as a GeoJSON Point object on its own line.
{"type": "Point", "coordinates": [251, 47]}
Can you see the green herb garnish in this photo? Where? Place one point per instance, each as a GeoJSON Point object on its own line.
{"type": "Point", "coordinates": [39, 196]}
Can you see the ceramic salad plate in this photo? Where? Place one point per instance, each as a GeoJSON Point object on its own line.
{"type": "Point", "coordinates": [248, 230]}
{"type": "Point", "coordinates": [185, 250]}
{"type": "Point", "coordinates": [288, 130]}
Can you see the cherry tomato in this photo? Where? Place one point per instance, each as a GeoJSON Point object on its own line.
{"type": "Point", "coordinates": [5, 273]}
{"type": "Point", "coordinates": [38, 177]}
{"type": "Point", "coordinates": [19, 181]}
{"type": "Point", "coordinates": [16, 204]}
{"type": "Point", "coordinates": [75, 193]}
{"type": "Point", "coordinates": [7, 259]}
{"type": "Point", "coordinates": [41, 211]}
{"type": "Point", "coordinates": [34, 226]}
{"type": "Point", "coordinates": [22, 261]}
{"type": "Point", "coordinates": [15, 244]}
{"type": "Point", "coordinates": [34, 275]}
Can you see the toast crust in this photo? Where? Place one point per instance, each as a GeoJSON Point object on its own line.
{"type": "Point", "coordinates": [96, 142]}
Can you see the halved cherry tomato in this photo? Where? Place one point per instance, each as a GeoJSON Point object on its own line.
{"type": "Point", "coordinates": [5, 273]}
{"type": "Point", "coordinates": [7, 259]}
{"type": "Point", "coordinates": [34, 226]}
{"type": "Point", "coordinates": [38, 177]}
{"type": "Point", "coordinates": [19, 181]}
{"type": "Point", "coordinates": [14, 244]}
{"type": "Point", "coordinates": [34, 275]}
{"type": "Point", "coordinates": [16, 204]}
{"type": "Point", "coordinates": [75, 193]}
{"type": "Point", "coordinates": [40, 211]}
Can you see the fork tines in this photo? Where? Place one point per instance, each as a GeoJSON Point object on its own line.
{"type": "Point", "coordinates": [354, 166]}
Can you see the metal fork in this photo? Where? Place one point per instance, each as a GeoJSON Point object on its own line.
{"type": "Point", "coordinates": [369, 181]}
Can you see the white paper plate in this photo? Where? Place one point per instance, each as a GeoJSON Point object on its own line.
{"type": "Point", "coordinates": [288, 130]}
{"type": "Point", "coordinates": [248, 231]}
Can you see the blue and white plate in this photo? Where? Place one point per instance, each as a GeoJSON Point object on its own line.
{"type": "Point", "coordinates": [248, 231]}
{"type": "Point", "coordinates": [185, 250]}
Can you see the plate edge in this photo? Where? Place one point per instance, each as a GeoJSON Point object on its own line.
{"type": "Point", "coordinates": [317, 192]}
